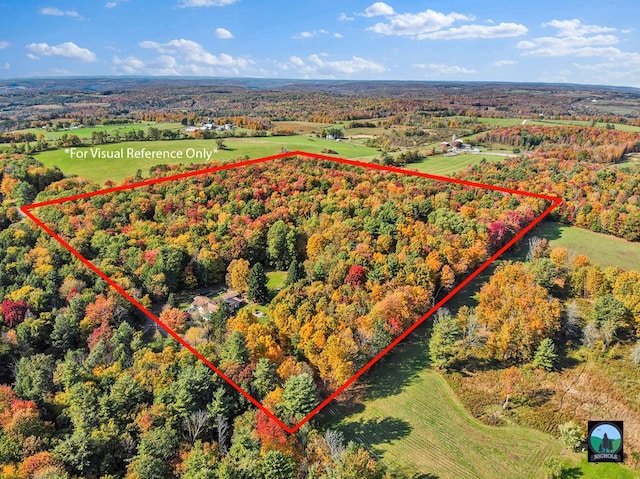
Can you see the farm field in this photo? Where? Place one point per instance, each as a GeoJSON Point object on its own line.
{"type": "Point", "coordinates": [86, 132]}
{"type": "Point", "coordinates": [411, 406]}
{"type": "Point", "coordinates": [601, 249]}
{"type": "Point", "coordinates": [444, 165]}
{"type": "Point", "coordinates": [101, 170]}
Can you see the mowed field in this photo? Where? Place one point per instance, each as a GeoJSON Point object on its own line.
{"type": "Point", "coordinates": [414, 422]}
{"type": "Point", "coordinates": [445, 165]}
{"type": "Point", "coordinates": [600, 248]}
{"type": "Point", "coordinates": [86, 132]}
{"type": "Point", "coordinates": [101, 170]}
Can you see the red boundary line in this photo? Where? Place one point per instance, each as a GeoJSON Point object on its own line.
{"type": "Point", "coordinates": [290, 429]}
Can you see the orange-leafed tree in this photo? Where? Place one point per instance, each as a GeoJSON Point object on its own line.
{"type": "Point", "coordinates": [517, 312]}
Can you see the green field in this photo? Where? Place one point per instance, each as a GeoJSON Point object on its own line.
{"type": "Point", "coordinates": [601, 249]}
{"type": "Point", "coordinates": [111, 129]}
{"type": "Point", "coordinates": [101, 170]}
{"type": "Point", "coordinates": [445, 165]}
{"type": "Point", "coordinates": [276, 279]}
{"type": "Point", "coordinates": [415, 423]}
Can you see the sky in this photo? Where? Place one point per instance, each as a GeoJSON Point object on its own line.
{"type": "Point", "coordinates": [566, 41]}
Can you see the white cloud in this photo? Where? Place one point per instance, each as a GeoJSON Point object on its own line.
{"type": "Point", "coordinates": [472, 32]}
{"type": "Point", "coordinates": [315, 33]}
{"type": "Point", "coordinates": [114, 3]}
{"type": "Point", "coordinates": [503, 63]}
{"type": "Point", "coordinates": [67, 50]}
{"type": "Point", "coordinates": [181, 57]}
{"type": "Point", "coordinates": [205, 3]}
{"type": "Point", "coordinates": [432, 25]}
{"type": "Point", "coordinates": [445, 69]}
{"type": "Point", "coordinates": [6, 66]}
{"type": "Point", "coordinates": [344, 18]}
{"type": "Point", "coordinates": [56, 12]}
{"type": "Point", "coordinates": [378, 9]}
{"type": "Point", "coordinates": [164, 65]}
{"type": "Point", "coordinates": [223, 33]}
{"type": "Point", "coordinates": [417, 24]}
{"type": "Point", "coordinates": [573, 38]}
{"type": "Point", "coordinates": [575, 27]}
{"type": "Point", "coordinates": [316, 66]}
{"type": "Point", "coordinates": [4, 45]}
{"type": "Point", "coordinates": [195, 53]}
{"type": "Point", "coordinates": [31, 56]}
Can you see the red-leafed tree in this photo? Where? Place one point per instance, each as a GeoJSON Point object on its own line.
{"type": "Point", "coordinates": [174, 319]}
{"type": "Point", "coordinates": [355, 276]}
{"type": "Point", "coordinates": [14, 312]}
{"type": "Point", "coordinates": [270, 433]}
{"type": "Point", "coordinates": [101, 333]}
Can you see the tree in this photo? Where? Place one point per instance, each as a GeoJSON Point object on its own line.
{"type": "Point", "coordinates": [257, 285]}
{"type": "Point", "coordinates": [571, 434]}
{"type": "Point", "coordinates": [444, 338]}
{"type": "Point", "coordinates": [355, 276]}
{"type": "Point", "coordinates": [299, 396]}
{"type": "Point", "coordinates": [265, 378]}
{"type": "Point", "coordinates": [157, 446]}
{"type": "Point", "coordinates": [200, 463]}
{"type": "Point", "coordinates": [277, 465]}
{"type": "Point", "coordinates": [517, 312]}
{"type": "Point", "coordinates": [237, 274]}
{"type": "Point", "coordinates": [277, 248]}
{"type": "Point", "coordinates": [553, 468]}
{"type": "Point", "coordinates": [545, 356]}
{"type": "Point", "coordinates": [295, 273]}
{"type": "Point", "coordinates": [14, 312]}
{"type": "Point", "coordinates": [174, 319]}
{"type": "Point", "coordinates": [235, 349]}
{"type": "Point", "coordinates": [34, 378]}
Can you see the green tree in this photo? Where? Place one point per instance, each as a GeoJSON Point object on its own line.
{"type": "Point", "coordinates": [34, 378]}
{"type": "Point", "coordinates": [571, 434]}
{"type": "Point", "coordinates": [299, 396]}
{"type": "Point", "coordinates": [277, 249]}
{"type": "Point", "coordinates": [257, 285]}
{"type": "Point", "coordinates": [235, 349]}
{"type": "Point", "coordinates": [444, 338]}
{"type": "Point", "coordinates": [553, 468]}
{"type": "Point", "coordinates": [295, 272]}
{"type": "Point", "coordinates": [277, 465]}
{"type": "Point", "coordinates": [265, 377]}
{"type": "Point", "coordinates": [200, 464]}
{"type": "Point", "coordinates": [65, 334]}
{"type": "Point", "coordinates": [156, 448]}
{"type": "Point", "coordinates": [545, 356]}
{"type": "Point", "coordinates": [610, 315]}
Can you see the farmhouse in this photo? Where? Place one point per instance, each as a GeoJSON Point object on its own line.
{"type": "Point", "coordinates": [205, 306]}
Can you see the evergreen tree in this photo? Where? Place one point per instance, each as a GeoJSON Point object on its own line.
{"type": "Point", "coordinates": [545, 356]}
{"type": "Point", "coordinates": [299, 396]}
{"type": "Point", "coordinates": [257, 285]}
{"type": "Point", "coordinates": [295, 273]}
{"type": "Point", "coordinates": [265, 377]}
{"type": "Point", "coordinates": [444, 337]}
{"type": "Point", "coordinates": [235, 348]}
{"type": "Point", "coordinates": [277, 465]}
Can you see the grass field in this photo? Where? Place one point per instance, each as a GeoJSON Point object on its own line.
{"type": "Point", "coordinates": [444, 165]}
{"type": "Point", "coordinates": [414, 422]}
{"type": "Point", "coordinates": [87, 131]}
{"type": "Point", "coordinates": [602, 249]}
{"type": "Point", "coordinates": [101, 170]}
{"type": "Point", "coordinates": [276, 279]}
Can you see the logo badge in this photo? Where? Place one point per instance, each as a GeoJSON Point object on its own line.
{"type": "Point", "coordinates": [605, 441]}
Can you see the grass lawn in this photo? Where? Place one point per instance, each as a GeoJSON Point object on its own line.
{"type": "Point", "coordinates": [101, 170]}
{"type": "Point", "coordinates": [413, 421]}
{"type": "Point", "coordinates": [444, 165]}
{"type": "Point", "coordinates": [276, 279]}
{"type": "Point", "coordinates": [588, 470]}
{"type": "Point", "coordinates": [602, 249]}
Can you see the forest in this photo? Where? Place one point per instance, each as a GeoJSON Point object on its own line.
{"type": "Point", "coordinates": [89, 387]}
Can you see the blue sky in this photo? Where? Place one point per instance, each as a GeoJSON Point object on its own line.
{"type": "Point", "coordinates": [469, 40]}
